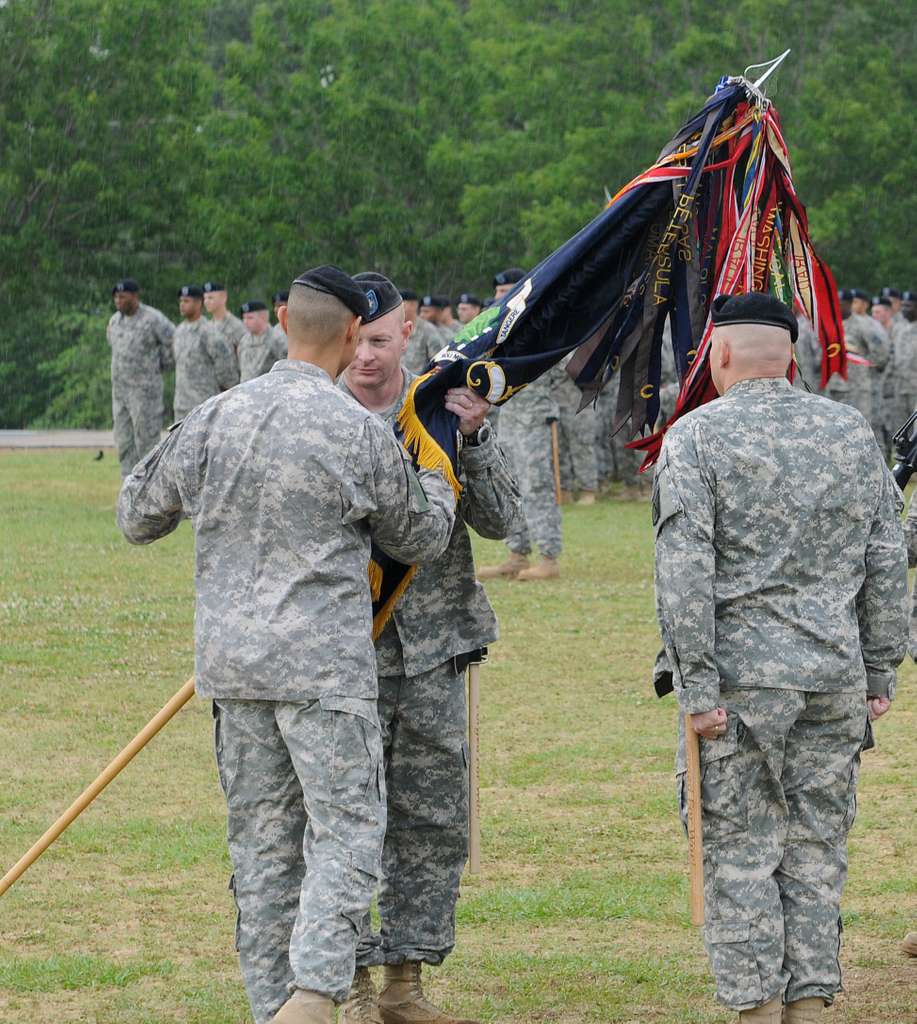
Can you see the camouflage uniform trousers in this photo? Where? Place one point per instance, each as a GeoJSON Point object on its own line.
{"type": "Point", "coordinates": [778, 794]}
{"type": "Point", "coordinates": [137, 413]}
{"type": "Point", "coordinates": [424, 722]}
{"type": "Point", "coordinates": [577, 439]}
{"type": "Point", "coordinates": [529, 448]}
{"type": "Point", "coordinates": [305, 798]}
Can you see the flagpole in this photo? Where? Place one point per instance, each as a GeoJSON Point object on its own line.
{"type": "Point", "coordinates": [90, 793]}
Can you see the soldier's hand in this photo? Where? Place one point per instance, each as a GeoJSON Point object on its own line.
{"type": "Point", "coordinates": [710, 724]}
{"type": "Point", "coordinates": [469, 407]}
{"type": "Point", "coordinates": [876, 707]}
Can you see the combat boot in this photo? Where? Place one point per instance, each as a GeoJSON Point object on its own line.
{"type": "Point", "coordinates": [362, 1004]}
{"type": "Point", "coordinates": [402, 1001]}
{"type": "Point", "coordinates": [804, 1011]}
{"type": "Point", "coordinates": [586, 498]}
{"type": "Point", "coordinates": [547, 569]}
{"type": "Point", "coordinates": [304, 1007]}
{"type": "Point", "coordinates": [909, 944]}
{"type": "Point", "coordinates": [506, 570]}
{"type": "Point", "coordinates": [769, 1013]}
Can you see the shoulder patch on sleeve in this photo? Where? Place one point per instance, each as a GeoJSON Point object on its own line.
{"type": "Point", "coordinates": [666, 502]}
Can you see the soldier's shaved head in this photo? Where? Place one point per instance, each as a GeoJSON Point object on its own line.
{"type": "Point", "coordinates": [744, 351]}
{"type": "Point", "coordinates": [315, 318]}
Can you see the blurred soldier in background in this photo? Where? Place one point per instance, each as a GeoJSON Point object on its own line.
{"type": "Point", "coordinates": [506, 280]}
{"type": "Point", "coordinates": [141, 351]}
{"type": "Point", "coordinates": [230, 327]}
{"type": "Point", "coordinates": [261, 347]}
{"type": "Point", "coordinates": [437, 309]}
{"type": "Point", "coordinates": [894, 296]}
{"type": "Point", "coordinates": [859, 335]}
{"type": "Point", "coordinates": [577, 439]}
{"type": "Point", "coordinates": [425, 340]}
{"type": "Point", "coordinates": [204, 363]}
{"type": "Point", "coordinates": [468, 307]}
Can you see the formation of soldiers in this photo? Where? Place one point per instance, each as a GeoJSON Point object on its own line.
{"type": "Point", "coordinates": [342, 755]}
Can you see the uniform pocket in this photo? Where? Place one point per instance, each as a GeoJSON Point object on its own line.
{"type": "Point", "coordinates": [723, 795]}
{"type": "Point", "coordinates": [735, 966]}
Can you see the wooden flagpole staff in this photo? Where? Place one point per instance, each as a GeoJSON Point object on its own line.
{"type": "Point", "coordinates": [474, 769]}
{"type": "Point", "coordinates": [88, 795]}
{"type": "Point", "coordinates": [695, 825]}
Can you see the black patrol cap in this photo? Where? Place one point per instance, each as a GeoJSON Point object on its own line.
{"type": "Point", "coordinates": [890, 293]}
{"type": "Point", "coordinates": [436, 301]}
{"type": "Point", "coordinates": [126, 284]}
{"type": "Point", "coordinates": [190, 291]}
{"type": "Point", "coordinates": [467, 299]}
{"type": "Point", "coordinates": [512, 275]}
{"type": "Point", "coordinates": [409, 295]}
{"type": "Point", "coordinates": [381, 294]}
{"type": "Point", "coordinates": [252, 306]}
{"type": "Point", "coordinates": [280, 297]}
{"type": "Point", "coordinates": [881, 300]}
{"type": "Point", "coordinates": [754, 308]}
{"type": "Point", "coordinates": [213, 286]}
{"type": "Point", "coordinates": [845, 294]}
{"type": "Point", "coordinates": [333, 281]}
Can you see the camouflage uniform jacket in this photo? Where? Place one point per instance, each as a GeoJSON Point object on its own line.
{"type": "Point", "coordinates": [232, 331]}
{"type": "Point", "coordinates": [259, 352]}
{"type": "Point", "coordinates": [780, 558]}
{"type": "Point", "coordinates": [141, 347]}
{"type": "Point", "coordinates": [424, 343]}
{"type": "Point", "coordinates": [204, 365]}
{"type": "Point", "coordinates": [286, 480]}
{"type": "Point", "coordinates": [537, 402]}
{"type": "Point", "coordinates": [445, 611]}
{"type": "Point", "coordinates": [910, 536]}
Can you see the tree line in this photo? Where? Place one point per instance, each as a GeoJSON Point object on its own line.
{"type": "Point", "coordinates": [433, 140]}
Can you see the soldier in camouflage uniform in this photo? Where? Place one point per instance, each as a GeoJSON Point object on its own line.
{"type": "Point", "coordinates": [424, 342]}
{"type": "Point", "coordinates": [902, 380]}
{"type": "Point", "coordinates": [204, 363]}
{"type": "Point", "coordinates": [577, 437]}
{"type": "Point", "coordinates": [141, 351]}
{"type": "Point", "coordinates": [262, 345]}
{"type": "Point", "coordinates": [616, 462]}
{"type": "Point", "coordinates": [230, 327]}
{"type": "Point", "coordinates": [287, 481]}
{"type": "Point", "coordinates": [437, 311]}
{"type": "Point", "coordinates": [442, 620]}
{"type": "Point", "coordinates": [781, 587]}
{"type": "Point", "coordinates": [864, 345]}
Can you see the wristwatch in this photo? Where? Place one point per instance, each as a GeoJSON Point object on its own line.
{"type": "Point", "coordinates": [478, 437]}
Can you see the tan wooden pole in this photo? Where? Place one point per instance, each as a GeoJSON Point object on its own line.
{"type": "Point", "coordinates": [695, 825]}
{"type": "Point", "coordinates": [555, 449]}
{"type": "Point", "coordinates": [88, 795]}
{"type": "Point", "coordinates": [474, 770]}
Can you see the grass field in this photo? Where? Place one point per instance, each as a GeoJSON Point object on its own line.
{"type": "Point", "coordinates": [580, 913]}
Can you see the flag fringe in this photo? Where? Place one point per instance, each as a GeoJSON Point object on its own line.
{"type": "Point", "coordinates": [420, 443]}
{"type": "Point", "coordinates": [380, 619]}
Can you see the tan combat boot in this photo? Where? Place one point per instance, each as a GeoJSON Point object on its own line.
{"type": "Point", "coordinates": [909, 944]}
{"type": "Point", "coordinates": [402, 1001]}
{"type": "Point", "coordinates": [506, 570]}
{"type": "Point", "coordinates": [547, 569]}
{"type": "Point", "coordinates": [362, 1005]}
{"type": "Point", "coordinates": [586, 498]}
{"type": "Point", "coordinates": [804, 1011]}
{"type": "Point", "coordinates": [305, 1007]}
{"type": "Point", "coordinates": [769, 1013]}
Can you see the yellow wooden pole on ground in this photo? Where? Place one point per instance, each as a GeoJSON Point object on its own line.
{"type": "Point", "coordinates": [88, 795]}
{"type": "Point", "coordinates": [695, 824]}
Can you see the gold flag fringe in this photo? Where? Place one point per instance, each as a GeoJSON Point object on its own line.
{"type": "Point", "coordinates": [380, 619]}
{"type": "Point", "coordinates": [420, 444]}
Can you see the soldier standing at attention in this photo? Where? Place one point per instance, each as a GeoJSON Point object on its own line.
{"type": "Point", "coordinates": [230, 327]}
{"type": "Point", "coordinates": [424, 341]}
{"type": "Point", "coordinates": [781, 592]}
{"type": "Point", "coordinates": [443, 619]}
{"type": "Point", "coordinates": [856, 390]}
{"type": "Point", "coordinates": [141, 351]}
{"type": "Point", "coordinates": [468, 307]}
{"type": "Point", "coordinates": [261, 346]}
{"type": "Point", "coordinates": [437, 310]}
{"type": "Point", "coordinates": [204, 364]}
{"type": "Point", "coordinates": [287, 481]}
{"type": "Point", "coordinates": [525, 429]}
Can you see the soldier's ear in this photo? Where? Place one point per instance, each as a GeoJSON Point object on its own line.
{"type": "Point", "coordinates": [283, 319]}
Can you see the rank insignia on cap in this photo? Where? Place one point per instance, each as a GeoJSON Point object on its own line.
{"type": "Point", "coordinates": [373, 301]}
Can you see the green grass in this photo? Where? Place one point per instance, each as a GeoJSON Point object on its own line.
{"type": "Point", "coordinates": [580, 913]}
